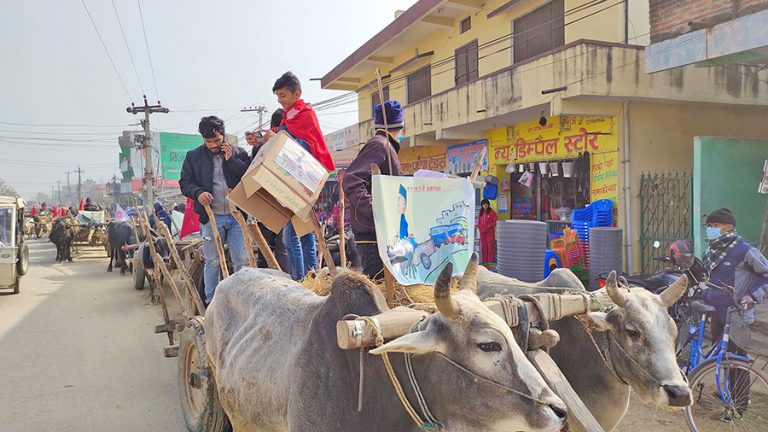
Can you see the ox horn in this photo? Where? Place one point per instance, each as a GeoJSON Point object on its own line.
{"type": "Point", "coordinates": [672, 294]}
{"type": "Point", "coordinates": [612, 287]}
{"type": "Point", "coordinates": [469, 279]}
{"type": "Point", "coordinates": [443, 300]}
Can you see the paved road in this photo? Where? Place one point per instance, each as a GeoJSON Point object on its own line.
{"type": "Point", "coordinates": [78, 352]}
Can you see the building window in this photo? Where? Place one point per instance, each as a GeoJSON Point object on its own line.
{"type": "Point", "coordinates": [539, 31]}
{"type": "Point", "coordinates": [420, 84]}
{"type": "Point", "coordinates": [466, 24]}
{"type": "Point", "coordinates": [466, 63]}
{"type": "Point", "coordinates": [375, 98]}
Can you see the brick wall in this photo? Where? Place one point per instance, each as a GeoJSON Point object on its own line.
{"type": "Point", "coordinates": [670, 18]}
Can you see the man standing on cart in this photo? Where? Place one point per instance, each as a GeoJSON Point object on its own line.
{"type": "Point", "coordinates": [380, 150]}
{"type": "Point", "coordinates": [208, 173]}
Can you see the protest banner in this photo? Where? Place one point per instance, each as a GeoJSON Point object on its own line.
{"type": "Point", "coordinates": [423, 223]}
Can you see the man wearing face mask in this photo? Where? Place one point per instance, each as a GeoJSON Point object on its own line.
{"type": "Point", "coordinates": [732, 262]}
{"type": "Point", "coordinates": [207, 174]}
{"type": "Point", "coordinates": [379, 150]}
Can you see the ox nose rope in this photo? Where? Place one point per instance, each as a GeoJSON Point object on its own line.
{"type": "Point", "coordinates": [431, 423]}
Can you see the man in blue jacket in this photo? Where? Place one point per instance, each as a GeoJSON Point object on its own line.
{"type": "Point", "coordinates": [741, 271]}
{"type": "Point", "coordinates": [208, 173]}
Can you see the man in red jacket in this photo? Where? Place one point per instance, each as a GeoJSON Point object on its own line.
{"type": "Point", "coordinates": [300, 121]}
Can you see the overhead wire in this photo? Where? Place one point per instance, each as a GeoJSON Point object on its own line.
{"type": "Point", "coordinates": [149, 54]}
{"type": "Point", "coordinates": [352, 96]}
{"type": "Point", "coordinates": [130, 54]}
{"type": "Point", "coordinates": [67, 125]}
{"type": "Point", "coordinates": [106, 50]}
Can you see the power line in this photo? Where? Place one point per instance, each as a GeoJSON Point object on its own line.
{"type": "Point", "coordinates": [130, 54]}
{"type": "Point", "coordinates": [127, 93]}
{"type": "Point", "coordinates": [149, 54]}
{"type": "Point", "coordinates": [57, 132]}
{"type": "Point", "coordinates": [67, 125]}
{"type": "Point", "coordinates": [352, 96]}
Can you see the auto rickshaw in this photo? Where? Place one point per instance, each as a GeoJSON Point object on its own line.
{"type": "Point", "coordinates": [14, 254]}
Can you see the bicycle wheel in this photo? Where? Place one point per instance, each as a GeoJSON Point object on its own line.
{"type": "Point", "coordinates": [744, 409]}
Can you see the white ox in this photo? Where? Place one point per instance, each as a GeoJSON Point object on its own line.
{"type": "Point", "coordinates": [631, 346]}
{"type": "Point", "coordinates": [273, 351]}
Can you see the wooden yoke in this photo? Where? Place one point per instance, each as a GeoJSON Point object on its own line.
{"type": "Point", "coordinates": [247, 239]}
{"type": "Point", "coordinates": [554, 307]}
{"type": "Point", "coordinates": [217, 240]}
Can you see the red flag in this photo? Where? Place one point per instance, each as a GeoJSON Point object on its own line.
{"type": "Point", "coordinates": [191, 223]}
{"type": "Point", "coordinates": [301, 122]}
{"type": "Point", "coordinates": [82, 205]}
{"type": "Point", "coordinates": [33, 212]}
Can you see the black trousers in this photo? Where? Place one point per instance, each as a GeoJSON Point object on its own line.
{"type": "Point", "coordinates": [275, 242]}
{"type": "Point", "coordinates": [370, 261]}
{"type": "Point", "coordinates": [738, 380]}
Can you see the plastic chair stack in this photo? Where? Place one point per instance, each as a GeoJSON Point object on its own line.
{"type": "Point", "coordinates": [595, 215]}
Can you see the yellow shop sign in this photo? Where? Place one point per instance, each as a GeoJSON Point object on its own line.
{"type": "Point", "coordinates": [563, 137]}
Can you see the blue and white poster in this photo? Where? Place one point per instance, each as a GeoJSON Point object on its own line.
{"type": "Point", "coordinates": [423, 223]}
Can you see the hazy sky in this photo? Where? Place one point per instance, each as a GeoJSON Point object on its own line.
{"type": "Point", "coordinates": [62, 104]}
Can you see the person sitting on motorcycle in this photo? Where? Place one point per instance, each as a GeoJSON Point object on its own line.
{"type": "Point", "coordinates": [735, 265]}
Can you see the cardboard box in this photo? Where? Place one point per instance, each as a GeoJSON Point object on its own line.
{"type": "Point", "coordinates": [282, 184]}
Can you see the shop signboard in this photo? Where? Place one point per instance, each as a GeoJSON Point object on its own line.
{"type": "Point", "coordinates": [344, 138]}
{"type": "Point", "coordinates": [173, 150]}
{"type": "Point", "coordinates": [604, 176]}
{"type": "Point", "coordinates": [461, 159]}
{"type": "Point", "coordinates": [563, 137]}
{"type": "Point", "coordinates": [422, 224]}
{"type": "Point", "coordinates": [413, 159]}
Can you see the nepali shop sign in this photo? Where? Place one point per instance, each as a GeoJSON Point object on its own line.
{"type": "Point", "coordinates": [422, 224]}
{"type": "Point", "coordinates": [563, 137]}
{"type": "Point", "coordinates": [604, 176]}
{"type": "Point", "coordinates": [344, 138]}
{"type": "Point", "coordinates": [461, 159]}
{"type": "Point", "coordinates": [413, 159]}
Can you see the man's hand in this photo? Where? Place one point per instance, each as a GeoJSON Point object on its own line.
{"type": "Point", "coordinates": [205, 198]}
{"type": "Point", "coordinates": [747, 302]}
{"type": "Point", "coordinates": [227, 150]}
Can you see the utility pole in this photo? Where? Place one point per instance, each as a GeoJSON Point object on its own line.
{"type": "Point", "coordinates": [261, 109]}
{"type": "Point", "coordinates": [59, 183]}
{"type": "Point", "coordinates": [79, 185]}
{"type": "Point", "coordinates": [146, 144]}
{"type": "Point", "coordinates": [68, 195]}
{"type": "Point", "coordinates": [53, 196]}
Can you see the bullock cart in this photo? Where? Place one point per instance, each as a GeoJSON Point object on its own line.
{"type": "Point", "coordinates": [90, 229]}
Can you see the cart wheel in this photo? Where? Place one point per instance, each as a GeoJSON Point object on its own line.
{"type": "Point", "coordinates": [199, 397]}
{"type": "Point", "coordinates": [16, 285]}
{"type": "Point", "coordinates": [22, 265]}
{"type": "Point", "coordinates": [139, 275]}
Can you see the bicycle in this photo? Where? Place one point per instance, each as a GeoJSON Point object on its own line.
{"type": "Point", "coordinates": [729, 391]}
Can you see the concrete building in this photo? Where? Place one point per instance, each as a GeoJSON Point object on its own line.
{"type": "Point", "coordinates": [561, 81]}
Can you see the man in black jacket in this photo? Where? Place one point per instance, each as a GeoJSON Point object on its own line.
{"type": "Point", "coordinates": [380, 150]}
{"type": "Point", "coordinates": [208, 173]}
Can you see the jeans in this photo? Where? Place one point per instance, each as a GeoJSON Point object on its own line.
{"type": "Point", "coordinates": [231, 235]}
{"type": "Point", "coordinates": [302, 252]}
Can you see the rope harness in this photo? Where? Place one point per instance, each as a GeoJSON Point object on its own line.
{"type": "Point", "coordinates": [603, 347]}
{"type": "Point", "coordinates": [426, 422]}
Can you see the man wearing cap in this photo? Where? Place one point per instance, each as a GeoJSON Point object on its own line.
{"type": "Point", "coordinates": [741, 270]}
{"type": "Point", "coordinates": [379, 150]}
{"type": "Point", "coordinates": [734, 264]}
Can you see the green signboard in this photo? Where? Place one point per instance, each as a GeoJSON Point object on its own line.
{"type": "Point", "coordinates": [173, 149]}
